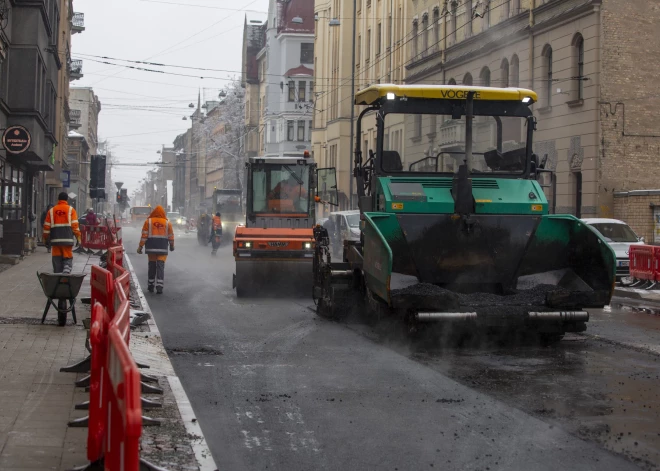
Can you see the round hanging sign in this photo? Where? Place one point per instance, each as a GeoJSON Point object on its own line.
{"type": "Point", "coordinates": [16, 139]}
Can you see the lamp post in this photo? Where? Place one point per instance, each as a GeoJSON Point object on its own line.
{"type": "Point", "coordinates": [336, 22]}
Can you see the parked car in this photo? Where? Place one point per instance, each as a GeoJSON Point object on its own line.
{"type": "Point", "coordinates": [620, 237]}
{"type": "Point", "coordinates": [342, 225]}
{"type": "Point", "coordinates": [177, 220]}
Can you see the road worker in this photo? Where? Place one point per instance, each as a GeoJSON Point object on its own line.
{"type": "Point", "coordinates": [61, 231]}
{"type": "Point", "coordinates": [289, 193]}
{"type": "Point", "coordinates": [157, 234]}
{"type": "Point", "coordinates": [216, 232]}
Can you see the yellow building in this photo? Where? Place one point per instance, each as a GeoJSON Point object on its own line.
{"type": "Point", "coordinates": [380, 52]}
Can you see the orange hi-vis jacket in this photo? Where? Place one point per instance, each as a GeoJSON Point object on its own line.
{"type": "Point", "coordinates": [157, 235]}
{"type": "Point", "coordinates": [61, 225]}
{"type": "Point", "coordinates": [217, 223]}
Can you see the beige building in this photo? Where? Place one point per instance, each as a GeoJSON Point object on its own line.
{"type": "Point", "coordinates": [598, 118]}
{"type": "Point", "coordinates": [380, 53]}
{"type": "Point", "coordinates": [253, 80]}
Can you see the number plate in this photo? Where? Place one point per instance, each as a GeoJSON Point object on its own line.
{"type": "Point", "coordinates": [278, 244]}
{"type": "Point", "coordinates": [625, 263]}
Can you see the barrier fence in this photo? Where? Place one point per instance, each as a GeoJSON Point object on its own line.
{"type": "Point", "coordinates": [115, 404]}
{"type": "Point", "coordinates": [101, 237]}
{"type": "Point", "coordinates": [644, 265]}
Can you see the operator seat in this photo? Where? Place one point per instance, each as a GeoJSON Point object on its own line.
{"type": "Point", "coordinates": [391, 161]}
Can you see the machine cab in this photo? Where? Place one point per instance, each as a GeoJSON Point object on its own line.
{"type": "Point", "coordinates": [281, 192]}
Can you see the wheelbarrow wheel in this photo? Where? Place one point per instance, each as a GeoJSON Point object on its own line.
{"type": "Point", "coordinates": [61, 312]}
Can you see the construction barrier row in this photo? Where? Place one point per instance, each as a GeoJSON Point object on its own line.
{"type": "Point", "coordinates": [644, 265]}
{"type": "Point", "coordinates": [100, 237]}
{"type": "Point", "coordinates": [115, 404]}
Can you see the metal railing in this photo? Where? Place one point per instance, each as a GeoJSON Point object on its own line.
{"type": "Point", "coordinates": [74, 118]}
{"type": "Point", "coordinates": [75, 68]}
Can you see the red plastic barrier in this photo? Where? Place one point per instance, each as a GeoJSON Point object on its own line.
{"type": "Point", "coordinates": [100, 237]}
{"type": "Point", "coordinates": [644, 262]}
{"type": "Point", "coordinates": [123, 320]}
{"type": "Point", "coordinates": [125, 412]}
{"type": "Point", "coordinates": [116, 256]}
{"type": "Point", "coordinates": [102, 289]}
{"type": "Point", "coordinates": [98, 414]}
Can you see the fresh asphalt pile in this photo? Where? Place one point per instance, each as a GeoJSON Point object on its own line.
{"type": "Point", "coordinates": [428, 296]}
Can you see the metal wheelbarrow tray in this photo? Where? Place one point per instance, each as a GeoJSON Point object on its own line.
{"type": "Point", "coordinates": [61, 287]}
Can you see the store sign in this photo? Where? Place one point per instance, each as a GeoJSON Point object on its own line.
{"type": "Point", "coordinates": [65, 177]}
{"type": "Point", "coordinates": [16, 139]}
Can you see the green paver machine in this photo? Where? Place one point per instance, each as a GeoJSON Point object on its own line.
{"type": "Point", "coordinates": [454, 222]}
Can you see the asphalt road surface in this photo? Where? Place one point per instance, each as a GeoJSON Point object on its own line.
{"type": "Point", "coordinates": [276, 387]}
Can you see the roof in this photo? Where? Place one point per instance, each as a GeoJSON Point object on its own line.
{"type": "Point", "coordinates": [301, 70]}
{"type": "Point", "coordinates": [602, 221]}
{"type": "Point", "coordinates": [302, 9]}
{"type": "Point", "coordinates": [280, 160]}
{"type": "Point", "coordinates": [374, 93]}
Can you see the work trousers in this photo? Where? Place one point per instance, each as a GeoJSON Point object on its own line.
{"type": "Point", "coordinates": [62, 265]}
{"type": "Point", "coordinates": [157, 273]}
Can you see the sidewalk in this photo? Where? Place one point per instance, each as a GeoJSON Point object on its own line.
{"type": "Point", "coordinates": [38, 400]}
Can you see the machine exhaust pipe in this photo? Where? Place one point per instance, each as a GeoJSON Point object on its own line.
{"type": "Point", "coordinates": [445, 316]}
{"type": "Point", "coordinates": [560, 316]}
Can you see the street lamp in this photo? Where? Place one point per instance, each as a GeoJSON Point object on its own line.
{"type": "Point", "coordinates": [337, 22]}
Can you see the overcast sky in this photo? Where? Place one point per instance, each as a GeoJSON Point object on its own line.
{"type": "Point", "coordinates": [191, 33]}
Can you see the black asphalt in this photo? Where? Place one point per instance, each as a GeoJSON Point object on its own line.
{"type": "Point", "coordinates": [275, 387]}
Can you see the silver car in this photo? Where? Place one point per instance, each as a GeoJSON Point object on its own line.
{"type": "Point", "coordinates": [620, 237]}
{"type": "Point", "coordinates": [341, 226]}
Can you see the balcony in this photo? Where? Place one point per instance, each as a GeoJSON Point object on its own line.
{"type": "Point", "coordinates": [74, 119]}
{"type": "Point", "coordinates": [75, 70]}
{"type": "Point", "coordinates": [78, 23]}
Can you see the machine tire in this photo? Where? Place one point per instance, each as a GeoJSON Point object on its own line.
{"type": "Point", "coordinates": [61, 312]}
{"type": "Point", "coordinates": [241, 292]}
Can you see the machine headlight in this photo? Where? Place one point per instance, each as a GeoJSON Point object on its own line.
{"type": "Point", "coordinates": [307, 245]}
{"type": "Point", "coordinates": [248, 245]}
{"type": "Point", "coordinates": [178, 221]}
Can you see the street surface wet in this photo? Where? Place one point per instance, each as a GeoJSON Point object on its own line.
{"type": "Point", "coordinates": [276, 387]}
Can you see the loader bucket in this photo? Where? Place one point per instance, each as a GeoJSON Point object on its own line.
{"type": "Point", "coordinates": [498, 254]}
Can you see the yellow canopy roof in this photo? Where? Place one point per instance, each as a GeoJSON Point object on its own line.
{"type": "Point", "coordinates": [373, 93]}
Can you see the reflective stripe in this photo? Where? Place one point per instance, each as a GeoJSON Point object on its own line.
{"type": "Point", "coordinates": [61, 234]}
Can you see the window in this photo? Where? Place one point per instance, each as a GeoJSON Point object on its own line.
{"type": "Point", "coordinates": [417, 132]}
{"type": "Point", "coordinates": [309, 128]}
{"type": "Point", "coordinates": [307, 53]}
{"type": "Point", "coordinates": [302, 89]}
{"type": "Point", "coordinates": [504, 73]}
{"type": "Point", "coordinates": [301, 130]}
{"type": "Point", "coordinates": [415, 34]}
{"type": "Point", "coordinates": [579, 66]}
{"type": "Point", "coordinates": [425, 34]}
{"type": "Point", "coordinates": [451, 82]}
{"type": "Point", "coordinates": [289, 130]}
{"type": "Point", "coordinates": [436, 29]}
{"type": "Point", "coordinates": [515, 72]}
{"type": "Point", "coordinates": [292, 90]}
{"type": "Point", "coordinates": [367, 51]}
{"type": "Point", "coordinates": [547, 66]}
{"type": "Point", "coordinates": [454, 28]}
{"type": "Point", "coordinates": [379, 38]}
{"type": "Point", "coordinates": [358, 52]}
{"type": "Point", "coordinates": [484, 76]}
{"type": "Point", "coordinates": [467, 79]}
{"type": "Point", "coordinates": [279, 188]}
{"type": "Point", "coordinates": [468, 24]}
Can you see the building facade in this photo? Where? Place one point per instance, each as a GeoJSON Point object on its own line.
{"type": "Point", "coordinates": [32, 71]}
{"type": "Point", "coordinates": [380, 54]}
{"type": "Point", "coordinates": [252, 73]}
{"type": "Point", "coordinates": [78, 156]}
{"type": "Point", "coordinates": [286, 65]}
{"type": "Point", "coordinates": [597, 111]}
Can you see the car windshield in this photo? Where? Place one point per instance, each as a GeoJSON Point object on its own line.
{"type": "Point", "coordinates": [280, 188]}
{"type": "Point", "coordinates": [425, 143]}
{"type": "Point", "coordinates": [616, 232]}
{"type": "Point", "coordinates": [353, 220]}
{"type": "Point", "coordinates": [142, 210]}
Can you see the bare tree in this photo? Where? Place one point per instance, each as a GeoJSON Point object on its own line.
{"type": "Point", "coordinates": [220, 134]}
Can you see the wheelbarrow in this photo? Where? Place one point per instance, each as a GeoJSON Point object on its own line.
{"type": "Point", "coordinates": [64, 289]}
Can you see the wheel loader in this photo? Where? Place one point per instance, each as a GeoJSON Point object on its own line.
{"type": "Point", "coordinates": [274, 249]}
{"type": "Point", "coordinates": [454, 223]}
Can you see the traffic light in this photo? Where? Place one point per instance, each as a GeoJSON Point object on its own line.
{"type": "Point", "coordinates": [119, 197]}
